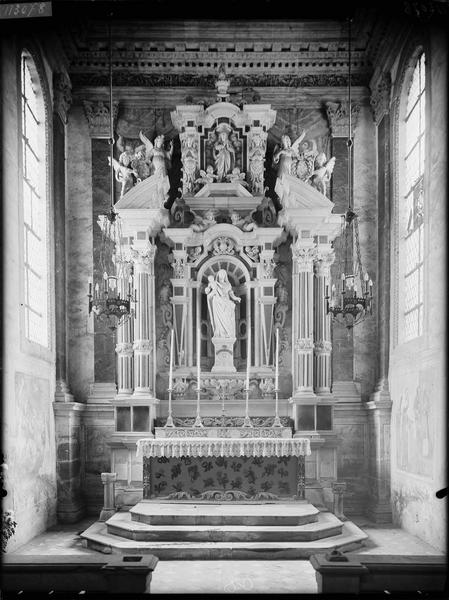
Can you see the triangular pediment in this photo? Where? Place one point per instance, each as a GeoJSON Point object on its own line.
{"type": "Point", "coordinates": [297, 194]}
{"type": "Point", "coordinates": [219, 190]}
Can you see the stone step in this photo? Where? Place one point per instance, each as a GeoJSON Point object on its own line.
{"type": "Point", "coordinates": [98, 538]}
{"type": "Point", "coordinates": [201, 513]}
{"type": "Point", "coordinates": [121, 525]}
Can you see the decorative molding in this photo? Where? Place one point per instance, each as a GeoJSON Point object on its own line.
{"type": "Point", "coordinates": [227, 420]}
{"type": "Point", "coordinates": [267, 388]}
{"type": "Point", "coordinates": [143, 346]}
{"type": "Point", "coordinates": [169, 79]}
{"type": "Point", "coordinates": [338, 117]}
{"type": "Point", "coordinates": [380, 97]}
{"type": "Point", "coordinates": [304, 344]}
{"type": "Point", "coordinates": [124, 349]}
{"type": "Point", "coordinates": [178, 265]}
{"type": "Point", "coordinates": [62, 95]}
{"type": "Point", "coordinates": [98, 117]}
{"type": "Point", "coordinates": [323, 263]}
{"type": "Point", "coordinates": [223, 496]}
{"type": "Point", "coordinates": [322, 347]}
{"type": "Point", "coordinates": [252, 252]}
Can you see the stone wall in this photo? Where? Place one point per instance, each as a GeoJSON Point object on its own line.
{"type": "Point", "coordinates": [417, 369]}
{"type": "Point", "coordinates": [28, 369]}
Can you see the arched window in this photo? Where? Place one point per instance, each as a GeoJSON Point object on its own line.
{"type": "Point", "coordinates": [35, 211]}
{"type": "Point", "coordinates": [414, 203]}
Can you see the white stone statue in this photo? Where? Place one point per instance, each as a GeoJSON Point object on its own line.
{"type": "Point", "coordinates": [287, 154]}
{"type": "Point", "coordinates": [189, 151]}
{"type": "Point", "coordinates": [124, 175]}
{"type": "Point", "coordinates": [221, 303]}
{"type": "Point", "coordinates": [306, 161]}
{"type": "Point", "coordinates": [237, 177]}
{"type": "Point", "coordinates": [207, 176]}
{"type": "Point", "coordinates": [161, 158]}
{"type": "Point", "coordinates": [224, 152]}
{"type": "Point", "coordinates": [321, 175]}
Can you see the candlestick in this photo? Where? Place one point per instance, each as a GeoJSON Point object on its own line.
{"type": "Point", "coordinates": [169, 422]}
{"type": "Point", "coordinates": [247, 420]}
{"type": "Point", "coordinates": [90, 288]}
{"type": "Point", "coordinates": [105, 281]}
{"type": "Point", "coordinates": [198, 422]}
{"type": "Point", "coordinates": [277, 421]}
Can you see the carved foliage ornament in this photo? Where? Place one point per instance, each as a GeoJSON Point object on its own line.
{"type": "Point", "coordinates": [380, 97]}
{"type": "Point", "coordinates": [338, 116]}
{"type": "Point", "coordinates": [253, 252]}
{"type": "Point", "coordinates": [98, 117]}
{"type": "Point", "coordinates": [304, 256]}
{"type": "Point", "coordinates": [223, 245]}
{"type": "Point", "coordinates": [62, 95]}
{"type": "Point", "coordinates": [304, 344]}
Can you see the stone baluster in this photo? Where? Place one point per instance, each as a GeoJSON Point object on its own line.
{"type": "Point", "coordinates": [108, 480]}
{"type": "Point", "coordinates": [303, 251]}
{"type": "Point", "coordinates": [143, 258]}
{"type": "Point", "coordinates": [125, 333]}
{"type": "Point", "coordinates": [322, 325]}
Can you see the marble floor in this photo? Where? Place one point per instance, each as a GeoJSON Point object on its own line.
{"type": "Point", "coordinates": [229, 576]}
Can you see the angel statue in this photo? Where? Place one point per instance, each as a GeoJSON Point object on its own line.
{"type": "Point", "coordinates": [161, 158]}
{"type": "Point", "coordinates": [124, 175]}
{"type": "Point", "coordinates": [126, 151]}
{"type": "Point", "coordinates": [287, 155]}
{"type": "Point", "coordinates": [224, 152]}
{"type": "Point", "coordinates": [321, 175]}
{"type": "Point", "coordinates": [140, 163]}
{"type": "Point", "coordinates": [244, 223]}
{"type": "Point", "coordinates": [306, 161]}
{"type": "Point", "coordinates": [207, 176]}
{"type": "Point", "coordinates": [202, 223]}
{"type": "Point", "coordinates": [237, 177]}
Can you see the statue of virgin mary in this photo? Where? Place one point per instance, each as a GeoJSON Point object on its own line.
{"type": "Point", "coordinates": [221, 303]}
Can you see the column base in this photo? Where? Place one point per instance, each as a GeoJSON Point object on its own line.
{"type": "Point", "coordinates": [102, 393]}
{"type": "Point", "coordinates": [346, 391]}
{"type": "Point", "coordinates": [106, 513]}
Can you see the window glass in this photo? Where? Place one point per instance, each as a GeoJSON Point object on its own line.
{"type": "Point", "coordinates": [414, 202]}
{"type": "Point", "coordinates": [34, 206]}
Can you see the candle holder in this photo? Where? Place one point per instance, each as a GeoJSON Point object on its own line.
{"type": "Point", "coordinates": [198, 422]}
{"type": "Point", "coordinates": [169, 421]}
{"type": "Point", "coordinates": [277, 421]}
{"type": "Point", "coordinates": [247, 421]}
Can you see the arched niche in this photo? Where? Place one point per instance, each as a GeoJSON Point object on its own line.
{"type": "Point", "coordinates": [239, 277]}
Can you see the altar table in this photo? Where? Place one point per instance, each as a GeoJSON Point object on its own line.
{"type": "Point", "coordinates": [254, 458]}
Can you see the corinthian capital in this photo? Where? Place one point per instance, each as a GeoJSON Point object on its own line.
{"type": "Point", "coordinates": [303, 254]}
{"type": "Point", "coordinates": [143, 257]}
{"type": "Point", "coordinates": [380, 97]}
{"type": "Point", "coordinates": [98, 117]}
{"type": "Point", "coordinates": [338, 117]}
{"type": "Point", "coordinates": [323, 262]}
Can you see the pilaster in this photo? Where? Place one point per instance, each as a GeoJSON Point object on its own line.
{"type": "Point", "coordinates": [322, 324]}
{"type": "Point", "coordinates": [125, 336]}
{"type": "Point", "coordinates": [98, 117]}
{"type": "Point", "coordinates": [303, 252]}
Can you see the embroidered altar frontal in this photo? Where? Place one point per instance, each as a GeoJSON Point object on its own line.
{"type": "Point", "coordinates": [224, 469]}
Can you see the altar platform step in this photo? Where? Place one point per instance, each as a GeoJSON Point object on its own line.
{"type": "Point", "coordinates": [122, 535]}
{"type": "Point", "coordinates": [121, 525]}
{"type": "Point", "coordinates": [202, 513]}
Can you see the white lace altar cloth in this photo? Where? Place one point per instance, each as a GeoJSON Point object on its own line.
{"type": "Point", "coordinates": [177, 447]}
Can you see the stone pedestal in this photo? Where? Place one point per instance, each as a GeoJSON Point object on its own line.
{"type": "Point", "coordinates": [379, 417]}
{"type": "Point", "coordinates": [108, 480]}
{"type": "Point", "coordinates": [70, 504]}
{"type": "Point", "coordinates": [224, 355]}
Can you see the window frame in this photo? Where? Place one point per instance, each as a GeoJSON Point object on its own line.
{"type": "Point", "coordinates": [29, 52]}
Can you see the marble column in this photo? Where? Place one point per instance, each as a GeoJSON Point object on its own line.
{"type": "Point", "coordinates": [322, 322]}
{"type": "Point", "coordinates": [343, 343]}
{"type": "Point", "coordinates": [125, 335]}
{"type": "Point", "coordinates": [303, 251]}
{"type": "Point", "coordinates": [61, 104]}
{"type": "Point", "coordinates": [143, 259]}
{"type": "Point", "coordinates": [379, 407]}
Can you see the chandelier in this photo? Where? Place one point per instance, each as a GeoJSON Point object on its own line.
{"type": "Point", "coordinates": [111, 298]}
{"type": "Point", "coordinates": [351, 300]}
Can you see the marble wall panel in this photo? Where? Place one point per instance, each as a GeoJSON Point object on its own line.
{"type": "Point", "coordinates": [79, 255]}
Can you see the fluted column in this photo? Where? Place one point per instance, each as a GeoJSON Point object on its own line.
{"type": "Point", "coordinates": [143, 259]}
{"type": "Point", "coordinates": [303, 251]}
{"type": "Point", "coordinates": [322, 345]}
{"type": "Point", "coordinates": [125, 335]}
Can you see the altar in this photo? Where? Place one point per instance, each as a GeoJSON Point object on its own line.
{"type": "Point", "coordinates": [224, 372]}
{"type": "Point", "coordinates": [223, 464]}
